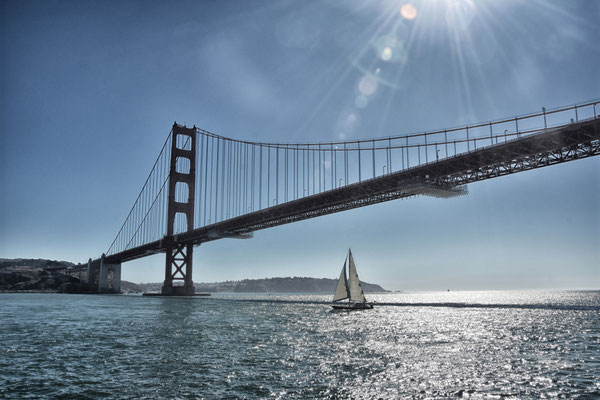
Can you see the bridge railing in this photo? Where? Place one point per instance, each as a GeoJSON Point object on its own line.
{"type": "Point", "coordinates": [237, 177]}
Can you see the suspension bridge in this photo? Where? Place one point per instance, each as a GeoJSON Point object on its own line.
{"type": "Point", "coordinates": [205, 187]}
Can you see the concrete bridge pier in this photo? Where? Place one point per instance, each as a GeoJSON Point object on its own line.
{"type": "Point", "coordinates": [88, 276]}
{"type": "Point", "coordinates": [103, 281]}
{"type": "Point", "coordinates": [103, 277]}
{"type": "Point", "coordinates": [116, 285]}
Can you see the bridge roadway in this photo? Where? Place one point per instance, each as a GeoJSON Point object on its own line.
{"type": "Point", "coordinates": [441, 178]}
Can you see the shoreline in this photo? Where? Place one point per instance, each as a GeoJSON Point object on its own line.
{"type": "Point", "coordinates": [31, 291]}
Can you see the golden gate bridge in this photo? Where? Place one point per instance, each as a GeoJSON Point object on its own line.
{"type": "Point", "coordinates": [203, 186]}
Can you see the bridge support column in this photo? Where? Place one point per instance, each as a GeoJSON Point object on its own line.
{"type": "Point", "coordinates": [116, 277]}
{"type": "Point", "coordinates": [178, 265]}
{"type": "Point", "coordinates": [103, 278]}
{"type": "Point", "coordinates": [88, 276]}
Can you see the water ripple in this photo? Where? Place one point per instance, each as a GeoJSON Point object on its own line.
{"type": "Point", "coordinates": [430, 345]}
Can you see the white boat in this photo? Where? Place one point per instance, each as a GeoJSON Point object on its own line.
{"type": "Point", "coordinates": [350, 289]}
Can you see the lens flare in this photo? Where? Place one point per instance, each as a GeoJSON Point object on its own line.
{"type": "Point", "coordinates": [408, 11]}
{"type": "Point", "coordinates": [390, 48]}
{"type": "Point", "coordinates": [386, 54]}
{"type": "Point", "coordinates": [348, 121]}
{"type": "Point", "coordinates": [351, 119]}
{"type": "Point", "coordinates": [361, 101]}
{"type": "Point", "coordinates": [367, 85]}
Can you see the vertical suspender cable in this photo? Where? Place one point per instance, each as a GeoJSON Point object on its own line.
{"type": "Point", "coordinates": [373, 157]}
{"type": "Point", "coordinates": [246, 169]}
{"type": "Point", "coordinates": [345, 165]}
{"type": "Point", "coordinates": [239, 180]}
{"type": "Point", "coordinates": [313, 171]}
{"type": "Point", "coordinates": [205, 177]}
{"type": "Point", "coordinates": [402, 157]}
{"type": "Point", "coordinates": [217, 181]}
{"type": "Point", "coordinates": [331, 165]}
{"type": "Point", "coordinates": [268, 175]}
{"type": "Point", "coordinates": [359, 165]}
{"type": "Point", "coordinates": [390, 150]}
{"type": "Point", "coordinates": [260, 178]}
{"type": "Point", "coordinates": [286, 174]}
{"type": "Point", "coordinates": [468, 145]}
{"type": "Point", "coordinates": [335, 168]}
{"type": "Point", "coordinates": [387, 155]}
{"type": "Point", "coordinates": [303, 173]}
{"type": "Point", "coordinates": [253, 176]}
{"type": "Point", "coordinates": [306, 168]}
{"type": "Point", "coordinates": [426, 150]}
{"type": "Point", "coordinates": [212, 171]}
{"type": "Point", "coordinates": [230, 162]}
{"type": "Point", "coordinates": [320, 168]}
{"type": "Point", "coordinates": [238, 188]}
{"type": "Point", "coordinates": [223, 166]}
{"type": "Point", "coordinates": [407, 159]}
{"type": "Point", "coordinates": [446, 142]}
{"type": "Point", "coordinates": [199, 197]}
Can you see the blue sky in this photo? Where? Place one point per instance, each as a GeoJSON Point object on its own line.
{"type": "Point", "coordinates": [90, 89]}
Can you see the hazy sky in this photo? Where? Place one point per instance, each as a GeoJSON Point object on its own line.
{"type": "Point", "coordinates": [90, 89]}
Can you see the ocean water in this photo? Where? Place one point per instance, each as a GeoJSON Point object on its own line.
{"type": "Point", "coordinates": [420, 345]}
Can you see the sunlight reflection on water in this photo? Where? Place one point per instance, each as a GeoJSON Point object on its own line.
{"type": "Point", "coordinates": [249, 345]}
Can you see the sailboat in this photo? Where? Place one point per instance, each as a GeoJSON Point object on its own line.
{"type": "Point", "coordinates": [350, 289]}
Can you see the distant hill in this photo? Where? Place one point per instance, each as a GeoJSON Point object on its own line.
{"type": "Point", "coordinates": [48, 275]}
{"type": "Point", "coordinates": [281, 285]}
{"type": "Point", "coordinates": [28, 263]}
{"type": "Point", "coordinates": [269, 285]}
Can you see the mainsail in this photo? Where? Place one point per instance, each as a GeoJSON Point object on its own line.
{"type": "Point", "coordinates": [342, 292]}
{"type": "Point", "coordinates": [350, 288]}
{"type": "Point", "coordinates": [356, 291]}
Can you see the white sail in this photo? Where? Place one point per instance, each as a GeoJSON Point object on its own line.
{"type": "Point", "coordinates": [356, 291]}
{"type": "Point", "coordinates": [341, 292]}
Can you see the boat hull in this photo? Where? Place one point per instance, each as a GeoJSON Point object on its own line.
{"type": "Point", "coordinates": [352, 307]}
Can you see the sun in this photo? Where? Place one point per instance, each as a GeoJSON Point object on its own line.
{"type": "Point", "coordinates": [408, 11]}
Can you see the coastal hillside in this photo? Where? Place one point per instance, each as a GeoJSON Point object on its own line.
{"type": "Point", "coordinates": [42, 275]}
{"type": "Point", "coordinates": [282, 285]}
{"type": "Point", "coordinates": [269, 285]}
{"type": "Point", "coordinates": [48, 275]}
{"type": "Point", "coordinates": [28, 263]}
{"type": "Point", "coordinates": [26, 274]}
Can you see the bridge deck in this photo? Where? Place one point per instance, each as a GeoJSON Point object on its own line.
{"type": "Point", "coordinates": [557, 145]}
